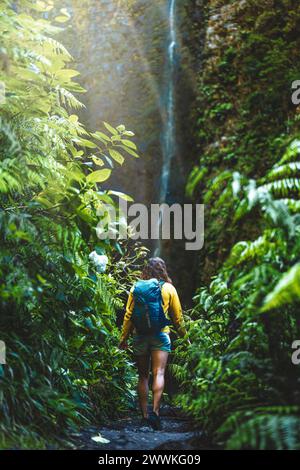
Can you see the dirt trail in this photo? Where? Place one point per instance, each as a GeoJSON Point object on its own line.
{"type": "Point", "coordinates": [127, 434]}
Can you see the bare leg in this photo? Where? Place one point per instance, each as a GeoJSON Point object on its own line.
{"type": "Point", "coordinates": [143, 363]}
{"type": "Point", "coordinates": [159, 362]}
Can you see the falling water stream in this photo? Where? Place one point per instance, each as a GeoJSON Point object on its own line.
{"type": "Point", "coordinates": [169, 134]}
{"type": "Point", "coordinates": [169, 126]}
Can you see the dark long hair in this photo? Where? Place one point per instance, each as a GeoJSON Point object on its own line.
{"type": "Point", "coordinates": [156, 268]}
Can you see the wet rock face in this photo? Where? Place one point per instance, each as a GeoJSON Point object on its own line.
{"type": "Point", "coordinates": [247, 58]}
{"type": "Point", "coordinates": [121, 52]}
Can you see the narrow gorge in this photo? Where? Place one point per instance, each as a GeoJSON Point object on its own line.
{"type": "Point", "coordinates": [169, 101]}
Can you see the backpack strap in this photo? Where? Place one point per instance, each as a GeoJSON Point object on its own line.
{"type": "Point", "coordinates": [161, 283]}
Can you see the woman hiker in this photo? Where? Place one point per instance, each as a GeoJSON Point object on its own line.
{"type": "Point", "coordinates": [153, 304]}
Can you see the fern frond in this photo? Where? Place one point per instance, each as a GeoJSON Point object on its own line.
{"type": "Point", "coordinates": [292, 204]}
{"type": "Point", "coordinates": [284, 171]}
{"type": "Point", "coordinates": [68, 99]}
{"type": "Point", "coordinates": [55, 47]}
{"type": "Point", "coordinates": [194, 180]}
{"type": "Point", "coordinates": [292, 152]}
{"type": "Point", "coordinates": [282, 188]}
{"type": "Point", "coordinates": [287, 291]}
{"type": "Point", "coordinates": [218, 185]}
{"type": "Point", "coordinates": [246, 251]}
{"type": "Point", "coordinates": [8, 182]}
{"type": "Point", "coordinates": [267, 432]}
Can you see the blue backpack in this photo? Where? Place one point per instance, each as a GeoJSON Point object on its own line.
{"type": "Point", "coordinates": [148, 315]}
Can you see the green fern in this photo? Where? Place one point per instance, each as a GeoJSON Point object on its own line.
{"type": "Point", "coordinates": [282, 188]}
{"type": "Point", "coordinates": [283, 171]}
{"type": "Point", "coordinates": [267, 432]}
{"type": "Point", "coordinates": [68, 99]}
{"type": "Point", "coordinates": [292, 152]}
{"type": "Point", "coordinates": [64, 340]}
{"type": "Point", "coordinates": [244, 251]}
{"type": "Point", "coordinates": [287, 290]}
{"type": "Point", "coordinates": [283, 180]}
{"type": "Point", "coordinates": [55, 47]}
{"type": "Point", "coordinates": [239, 362]}
{"type": "Point", "coordinates": [196, 176]}
{"type": "Point", "coordinates": [218, 186]}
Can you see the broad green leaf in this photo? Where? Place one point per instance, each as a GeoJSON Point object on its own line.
{"type": "Point", "coordinates": [44, 202]}
{"type": "Point", "coordinates": [116, 156]}
{"type": "Point", "coordinates": [42, 6]}
{"type": "Point", "coordinates": [121, 195]}
{"type": "Point", "coordinates": [101, 136]}
{"type": "Point", "coordinates": [111, 129]}
{"type": "Point", "coordinates": [129, 144]}
{"type": "Point", "coordinates": [66, 74]}
{"type": "Point", "coordinates": [61, 19]}
{"type": "Point", "coordinates": [85, 143]}
{"type": "Point", "coordinates": [97, 161]}
{"type": "Point", "coordinates": [99, 176]}
{"type": "Point", "coordinates": [73, 118]}
{"type": "Point", "coordinates": [129, 150]}
{"type": "Point", "coordinates": [85, 215]}
{"type": "Point", "coordinates": [129, 133]}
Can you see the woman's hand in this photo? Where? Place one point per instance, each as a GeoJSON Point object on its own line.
{"type": "Point", "coordinates": [123, 345]}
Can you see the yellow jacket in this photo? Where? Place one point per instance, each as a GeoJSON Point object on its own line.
{"type": "Point", "coordinates": [171, 306]}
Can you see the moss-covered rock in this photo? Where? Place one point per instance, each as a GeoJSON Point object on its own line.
{"type": "Point", "coordinates": [243, 112]}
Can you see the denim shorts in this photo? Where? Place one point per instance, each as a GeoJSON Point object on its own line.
{"type": "Point", "coordinates": [143, 344]}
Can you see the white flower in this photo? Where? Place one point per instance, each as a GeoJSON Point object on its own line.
{"type": "Point", "coordinates": [236, 184]}
{"type": "Point", "coordinates": [295, 145]}
{"type": "Point", "coordinates": [100, 261]}
{"type": "Point", "coordinates": [253, 193]}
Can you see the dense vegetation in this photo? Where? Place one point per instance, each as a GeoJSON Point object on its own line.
{"type": "Point", "coordinates": [238, 377]}
{"type": "Point", "coordinates": [57, 310]}
{"type": "Point", "coordinates": [244, 116]}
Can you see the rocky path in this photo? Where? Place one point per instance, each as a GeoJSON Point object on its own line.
{"type": "Point", "coordinates": [127, 434]}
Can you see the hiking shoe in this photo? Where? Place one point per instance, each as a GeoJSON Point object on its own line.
{"type": "Point", "coordinates": [144, 423]}
{"type": "Point", "coordinates": [154, 421]}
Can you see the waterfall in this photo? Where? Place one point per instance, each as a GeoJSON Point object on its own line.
{"type": "Point", "coordinates": [169, 126]}
{"type": "Point", "coordinates": [169, 131]}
